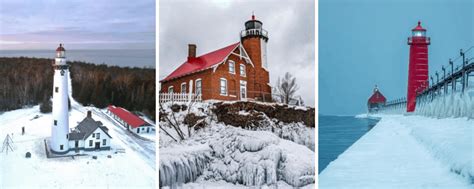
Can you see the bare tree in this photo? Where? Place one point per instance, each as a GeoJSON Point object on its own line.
{"type": "Point", "coordinates": [286, 88]}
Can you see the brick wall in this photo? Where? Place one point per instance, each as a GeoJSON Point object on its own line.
{"type": "Point", "coordinates": [256, 77]}
{"type": "Point", "coordinates": [260, 77]}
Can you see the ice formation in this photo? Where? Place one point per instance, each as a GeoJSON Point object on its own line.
{"type": "Point", "coordinates": [263, 156]}
{"type": "Point", "coordinates": [449, 105]}
{"type": "Point", "coordinates": [181, 166]}
{"type": "Point", "coordinates": [250, 158]}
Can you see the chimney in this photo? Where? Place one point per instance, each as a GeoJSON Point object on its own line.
{"type": "Point", "coordinates": [89, 114]}
{"type": "Point", "coordinates": [191, 51]}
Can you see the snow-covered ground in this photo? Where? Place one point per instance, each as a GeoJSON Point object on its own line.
{"type": "Point", "coordinates": [407, 151]}
{"type": "Point", "coordinates": [128, 169]}
{"type": "Point", "coordinates": [131, 163]}
{"type": "Point", "coordinates": [225, 156]}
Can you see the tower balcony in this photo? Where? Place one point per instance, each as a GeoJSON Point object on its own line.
{"type": "Point", "coordinates": [254, 32]}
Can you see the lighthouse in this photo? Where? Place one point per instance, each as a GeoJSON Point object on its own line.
{"type": "Point", "coordinates": [254, 40]}
{"type": "Point", "coordinates": [418, 65]}
{"type": "Point", "coordinates": [60, 123]}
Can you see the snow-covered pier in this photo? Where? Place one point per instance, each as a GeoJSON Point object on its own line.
{"type": "Point", "coordinates": [407, 151]}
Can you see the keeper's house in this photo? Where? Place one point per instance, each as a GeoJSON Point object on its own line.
{"type": "Point", "coordinates": [89, 135]}
{"type": "Point", "coordinates": [130, 121]}
{"type": "Point", "coordinates": [238, 71]}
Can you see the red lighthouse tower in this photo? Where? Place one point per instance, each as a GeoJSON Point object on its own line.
{"type": "Point", "coordinates": [418, 66]}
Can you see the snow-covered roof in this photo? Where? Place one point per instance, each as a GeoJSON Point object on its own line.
{"type": "Point", "coordinates": [86, 127]}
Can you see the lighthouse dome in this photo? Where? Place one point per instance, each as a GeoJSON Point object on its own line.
{"type": "Point", "coordinates": [60, 51]}
{"type": "Point", "coordinates": [418, 31]}
{"type": "Point", "coordinates": [253, 28]}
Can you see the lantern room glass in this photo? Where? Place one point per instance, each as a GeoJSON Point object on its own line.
{"type": "Point", "coordinates": [419, 34]}
{"type": "Point", "coordinates": [258, 25]}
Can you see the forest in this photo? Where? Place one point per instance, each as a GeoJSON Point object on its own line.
{"type": "Point", "coordinates": [29, 81]}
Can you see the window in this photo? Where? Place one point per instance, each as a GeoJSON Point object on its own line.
{"type": "Point", "coordinates": [90, 142]}
{"type": "Point", "coordinates": [198, 86]}
{"type": "Point", "coordinates": [56, 89]}
{"type": "Point", "coordinates": [97, 136]}
{"type": "Point", "coordinates": [61, 147]}
{"type": "Point", "coordinates": [170, 89]}
{"type": "Point", "coordinates": [104, 142]}
{"type": "Point", "coordinates": [93, 135]}
{"type": "Point", "coordinates": [242, 70]}
{"type": "Point", "coordinates": [67, 136]}
{"type": "Point", "coordinates": [183, 87]}
{"type": "Point", "coordinates": [55, 122]}
{"type": "Point", "coordinates": [223, 87]}
{"type": "Point", "coordinates": [231, 67]}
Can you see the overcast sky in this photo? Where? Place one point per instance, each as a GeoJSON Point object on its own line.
{"type": "Point", "coordinates": [214, 24]}
{"type": "Point", "coordinates": [81, 24]}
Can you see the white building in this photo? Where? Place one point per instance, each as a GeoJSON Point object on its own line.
{"type": "Point", "coordinates": [60, 123]}
{"type": "Point", "coordinates": [89, 135]}
{"type": "Point", "coordinates": [130, 121]}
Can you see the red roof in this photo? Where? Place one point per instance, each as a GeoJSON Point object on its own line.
{"type": "Point", "coordinates": [377, 97]}
{"type": "Point", "coordinates": [418, 28]}
{"type": "Point", "coordinates": [130, 118]}
{"type": "Point", "coordinates": [202, 62]}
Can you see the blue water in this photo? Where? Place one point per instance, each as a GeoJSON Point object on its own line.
{"type": "Point", "coordinates": [123, 58]}
{"type": "Point", "coordinates": [337, 133]}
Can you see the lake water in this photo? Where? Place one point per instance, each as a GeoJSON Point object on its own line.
{"type": "Point", "coordinates": [122, 58]}
{"type": "Point", "coordinates": [337, 133]}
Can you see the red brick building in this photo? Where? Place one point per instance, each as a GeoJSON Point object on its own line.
{"type": "Point", "coordinates": [236, 72]}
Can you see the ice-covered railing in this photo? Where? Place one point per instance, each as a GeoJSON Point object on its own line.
{"type": "Point", "coordinates": [450, 95]}
{"type": "Point", "coordinates": [397, 106]}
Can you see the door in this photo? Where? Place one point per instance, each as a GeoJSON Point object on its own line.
{"type": "Point", "coordinates": [138, 130]}
{"type": "Point", "coordinates": [148, 129]}
{"type": "Point", "coordinates": [97, 145]}
{"type": "Point", "coordinates": [243, 90]}
{"type": "Point", "coordinates": [76, 145]}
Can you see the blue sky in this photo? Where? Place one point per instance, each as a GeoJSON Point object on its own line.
{"type": "Point", "coordinates": [81, 24]}
{"type": "Point", "coordinates": [364, 43]}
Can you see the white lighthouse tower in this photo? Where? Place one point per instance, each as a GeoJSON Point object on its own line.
{"type": "Point", "coordinates": [60, 124]}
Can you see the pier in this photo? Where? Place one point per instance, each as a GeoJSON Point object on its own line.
{"type": "Point", "coordinates": [457, 78]}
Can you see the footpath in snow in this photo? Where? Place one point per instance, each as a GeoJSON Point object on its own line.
{"type": "Point", "coordinates": [407, 152]}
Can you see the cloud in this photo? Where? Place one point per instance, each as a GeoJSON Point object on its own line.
{"type": "Point", "coordinates": [87, 20]}
{"type": "Point", "coordinates": [215, 24]}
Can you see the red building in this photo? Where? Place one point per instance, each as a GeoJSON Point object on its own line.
{"type": "Point", "coordinates": [376, 101]}
{"type": "Point", "coordinates": [418, 65]}
{"type": "Point", "coordinates": [238, 71]}
{"type": "Point", "coordinates": [129, 120]}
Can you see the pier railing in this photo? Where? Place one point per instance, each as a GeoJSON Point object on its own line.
{"type": "Point", "coordinates": [457, 78]}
